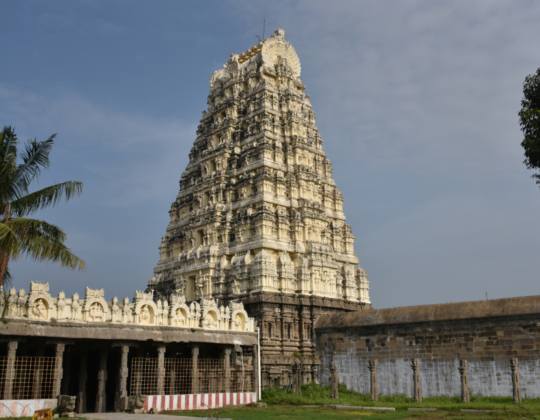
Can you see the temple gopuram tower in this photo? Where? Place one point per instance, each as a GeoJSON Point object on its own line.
{"type": "Point", "coordinates": [258, 218]}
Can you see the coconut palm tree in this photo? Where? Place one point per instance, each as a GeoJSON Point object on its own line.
{"type": "Point", "coordinates": [21, 236]}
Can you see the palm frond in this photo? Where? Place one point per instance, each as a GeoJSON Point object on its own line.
{"type": "Point", "coordinates": [8, 172]}
{"type": "Point", "coordinates": [8, 166]}
{"type": "Point", "coordinates": [21, 236]}
{"type": "Point", "coordinates": [9, 242]}
{"type": "Point", "coordinates": [27, 229]}
{"type": "Point", "coordinates": [43, 249]}
{"type": "Point", "coordinates": [35, 157]}
{"type": "Point", "coordinates": [9, 142]}
{"type": "Point", "coordinates": [7, 280]}
{"type": "Point", "coordinates": [49, 196]}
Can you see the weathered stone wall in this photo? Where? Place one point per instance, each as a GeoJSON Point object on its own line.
{"type": "Point", "coordinates": [485, 333]}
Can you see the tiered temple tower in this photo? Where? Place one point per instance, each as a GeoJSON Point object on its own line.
{"type": "Point", "coordinates": [258, 217]}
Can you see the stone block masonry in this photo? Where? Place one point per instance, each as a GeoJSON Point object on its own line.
{"type": "Point", "coordinates": [487, 334]}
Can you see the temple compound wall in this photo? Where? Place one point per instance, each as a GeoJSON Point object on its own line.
{"type": "Point", "coordinates": [485, 334]}
{"type": "Point", "coordinates": [105, 351]}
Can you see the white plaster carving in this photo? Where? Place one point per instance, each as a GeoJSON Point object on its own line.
{"type": "Point", "coordinates": [95, 307]}
{"type": "Point", "coordinates": [146, 315]}
{"type": "Point", "coordinates": [215, 76]}
{"type": "Point", "coordinates": [145, 310]}
{"type": "Point", "coordinates": [116, 312]}
{"type": "Point", "coordinates": [96, 312]}
{"type": "Point", "coordinates": [39, 309]}
{"type": "Point", "coordinates": [180, 318]}
{"type": "Point", "coordinates": [40, 301]}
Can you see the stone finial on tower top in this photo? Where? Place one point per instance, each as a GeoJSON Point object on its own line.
{"type": "Point", "coordinates": [280, 33]}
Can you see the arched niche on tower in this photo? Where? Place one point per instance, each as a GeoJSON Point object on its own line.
{"type": "Point", "coordinates": [95, 308]}
{"type": "Point", "coordinates": [239, 318]}
{"type": "Point", "coordinates": [40, 303]}
{"type": "Point", "coordinates": [179, 313]}
{"type": "Point", "coordinates": [144, 310]}
{"type": "Point", "coordinates": [190, 288]}
{"type": "Point", "coordinates": [210, 316]}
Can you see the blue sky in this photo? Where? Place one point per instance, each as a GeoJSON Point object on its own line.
{"type": "Point", "coordinates": [416, 102]}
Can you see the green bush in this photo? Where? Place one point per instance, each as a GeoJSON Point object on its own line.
{"type": "Point", "coordinates": [312, 394]}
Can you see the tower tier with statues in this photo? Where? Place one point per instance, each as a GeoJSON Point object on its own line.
{"type": "Point", "coordinates": [259, 219]}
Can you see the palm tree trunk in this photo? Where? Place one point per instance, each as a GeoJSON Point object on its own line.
{"type": "Point", "coordinates": [4, 261]}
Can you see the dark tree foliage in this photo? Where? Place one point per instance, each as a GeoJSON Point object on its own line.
{"type": "Point", "coordinates": [529, 120]}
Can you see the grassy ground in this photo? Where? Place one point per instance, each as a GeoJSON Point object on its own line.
{"type": "Point", "coordinates": [316, 394]}
{"type": "Point", "coordinates": [295, 412]}
{"type": "Point", "coordinates": [283, 412]}
{"type": "Point", "coordinates": [282, 405]}
{"type": "Point", "coordinates": [30, 418]}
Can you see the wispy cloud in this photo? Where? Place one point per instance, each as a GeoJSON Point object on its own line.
{"type": "Point", "coordinates": [130, 166]}
{"type": "Point", "coordinates": [134, 154]}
